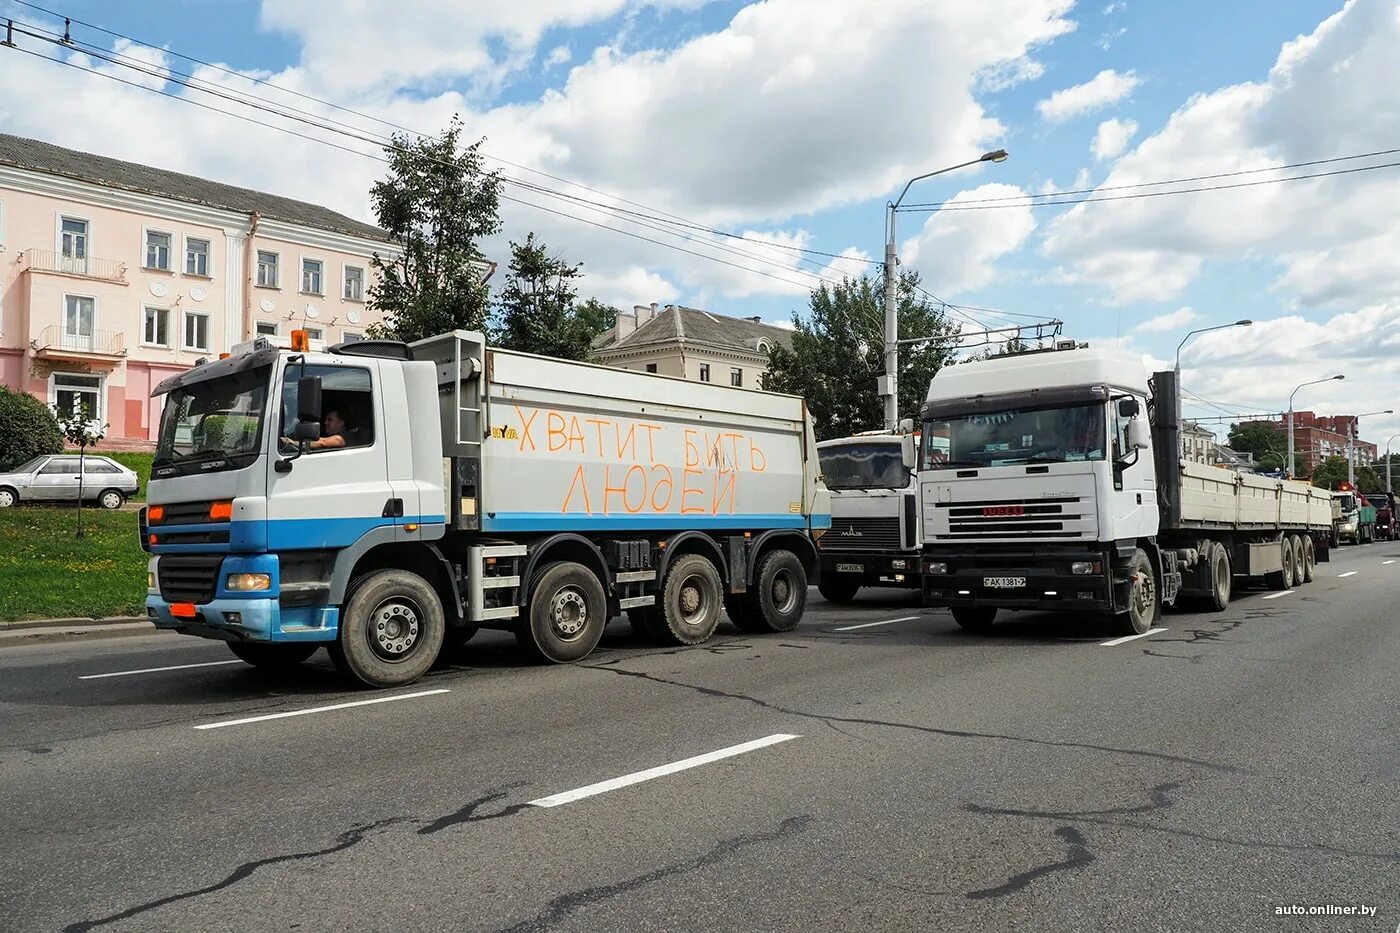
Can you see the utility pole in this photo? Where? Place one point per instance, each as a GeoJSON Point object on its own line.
{"type": "Point", "coordinates": [888, 384]}
{"type": "Point", "coordinates": [1388, 487]}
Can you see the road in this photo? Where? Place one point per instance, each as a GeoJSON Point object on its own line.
{"type": "Point", "coordinates": [879, 770]}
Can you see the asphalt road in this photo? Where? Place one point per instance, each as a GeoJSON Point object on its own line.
{"type": "Point", "coordinates": [900, 775]}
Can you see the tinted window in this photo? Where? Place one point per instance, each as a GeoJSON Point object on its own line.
{"type": "Point", "coordinates": [347, 401]}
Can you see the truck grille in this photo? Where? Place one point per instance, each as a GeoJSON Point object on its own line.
{"type": "Point", "coordinates": [188, 578]}
{"type": "Point", "coordinates": [1011, 518]}
{"type": "Point", "coordinates": [862, 534]}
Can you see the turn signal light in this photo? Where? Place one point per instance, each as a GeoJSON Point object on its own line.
{"type": "Point", "coordinates": [221, 511]}
{"type": "Point", "coordinates": [152, 539]}
{"type": "Point", "coordinates": [301, 341]}
{"type": "Point", "coordinates": [155, 513]}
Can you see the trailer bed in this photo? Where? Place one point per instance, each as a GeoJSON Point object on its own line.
{"type": "Point", "coordinates": [1215, 498]}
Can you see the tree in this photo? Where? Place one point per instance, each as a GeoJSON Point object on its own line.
{"type": "Point", "coordinates": [838, 351]}
{"type": "Point", "coordinates": [597, 317]}
{"type": "Point", "coordinates": [1332, 472]}
{"type": "Point", "coordinates": [28, 429]}
{"type": "Point", "coordinates": [81, 430]}
{"type": "Point", "coordinates": [537, 312]}
{"type": "Point", "coordinates": [437, 203]}
{"type": "Point", "coordinates": [1259, 438]}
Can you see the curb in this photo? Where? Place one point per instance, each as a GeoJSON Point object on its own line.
{"type": "Point", "coordinates": [56, 630]}
{"type": "Point", "coordinates": [87, 621]}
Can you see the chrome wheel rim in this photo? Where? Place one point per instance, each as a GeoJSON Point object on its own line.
{"type": "Point", "coordinates": [1141, 600]}
{"type": "Point", "coordinates": [784, 591]}
{"type": "Point", "coordinates": [394, 628]}
{"type": "Point", "coordinates": [568, 613]}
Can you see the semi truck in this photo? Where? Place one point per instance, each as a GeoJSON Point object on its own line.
{"type": "Point", "coordinates": [874, 538]}
{"type": "Point", "coordinates": [1053, 480]}
{"type": "Point", "coordinates": [385, 500]}
{"type": "Point", "coordinates": [1387, 522]}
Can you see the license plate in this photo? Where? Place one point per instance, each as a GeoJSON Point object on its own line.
{"type": "Point", "coordinates": [850, 568]}
{"type": "Point", "coordinates": [1003, 583]}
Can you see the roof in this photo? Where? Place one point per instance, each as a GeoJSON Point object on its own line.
{"type": "Point", "coordinates": [36, 156]}
{"type": "Point", "coordinates": [675, 324]}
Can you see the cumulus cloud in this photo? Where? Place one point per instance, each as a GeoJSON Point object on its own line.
{"type": "Point", "coordinates": [957, 251]}
{"type": "Point", "coordinates": [1173, 320]}
{"type": "Point", "coordinates": [1112, 138]}
{"type": "Point", "coordinates": [1104, 89]}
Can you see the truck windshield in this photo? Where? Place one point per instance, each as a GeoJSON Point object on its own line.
{"type": "Point", "coordinates": [217, 420]}
{"type": "Point", "coordinates": [863, 466]}
{"type": "Point", "coordinates": [1348, 503]}
{"type": "Point", "coordinates": [1030, 435]}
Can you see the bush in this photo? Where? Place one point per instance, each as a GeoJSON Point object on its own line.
{"type": "Point", "coordinates": [27, 429]}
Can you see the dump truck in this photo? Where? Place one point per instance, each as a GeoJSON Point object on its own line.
{"type": "Point", "coordinates": [1054, 480]}
{"type": "Point", "coordinates": [385, 500]}
{"type": "Point", "coordinates": [1357, 522]}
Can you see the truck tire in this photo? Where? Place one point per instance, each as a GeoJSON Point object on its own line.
{"type": "Point", "coordinates": [691, 600]}
{"type": "Point", "coordinates": [391, 629]}
{"type": "Point", "coordinates": [1309, 559]}
{"type": "Point", "coordinates": [1300, 564]}
{"type": "Point", "coordinates": [642, 621]}
{"type": "Point", "coordinates": [458, 635]}
{"type": "Point", "coordinates": [736, 606]}
{"type": "Point", "coordinates": [1282, 579]}
{"type": "Point", "coordinates": [1221, 580]}
{"type": "Point", "coordinates": [779, 594]}
{"type": "Point", "coordinates": [272, 657]}
{"type": "Point", "coordinates": [567, 613]}
{"type": "Point", "coordinates": [975, 618]}
{"type": "Point", "coordinates": [837, 590]}
{"type": "Point", "coordinates": [1142, 598]}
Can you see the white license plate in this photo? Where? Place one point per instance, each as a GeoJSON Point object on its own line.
{"type": "Point", "coordinates": [850, 568]}
{"type": "Point", "coordinates": [1004, 583]}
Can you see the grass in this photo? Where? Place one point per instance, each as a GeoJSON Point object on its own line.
{"type": "Point", "coordinates": [47, 573]}
{"type": "Point", "coordinates": [133, 460]}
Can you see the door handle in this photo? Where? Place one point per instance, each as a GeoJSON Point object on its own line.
{"type": "Point", "coordinates": [1139, 498]}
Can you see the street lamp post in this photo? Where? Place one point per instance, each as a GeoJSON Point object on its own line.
{"type": "Point", "coordinates": [1388, 487]}
{"type": "Point", "coordinates": [889, 383]}
{"type": "Point", "coordinates": [1351, 442]}
{"type": "Point", "coordinates": [1203, 330]}
{"type": "Point", "coordinates": [1288, 467]}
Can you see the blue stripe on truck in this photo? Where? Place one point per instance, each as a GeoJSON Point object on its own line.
{"type": "Point", "coordinates": [555, 521]}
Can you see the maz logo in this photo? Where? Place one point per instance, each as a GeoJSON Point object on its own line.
{"type": "Point", "coordinates": [998, 511]}
{"type": "Point", "coordinates": [852, 533]}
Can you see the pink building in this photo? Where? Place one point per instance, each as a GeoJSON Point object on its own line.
{"type": "Point", "coordinates": [114, 275]}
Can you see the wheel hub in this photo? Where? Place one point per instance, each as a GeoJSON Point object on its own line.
{"type": "Point", "coordinates": [394, 630]}
{"type": "Point", "coordinates": [568, 612]}
{"type": "Point", "coordinates": [1142, 593]}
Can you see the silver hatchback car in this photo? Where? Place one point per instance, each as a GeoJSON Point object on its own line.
{"type": "Point", "coordinates": [54, 478]}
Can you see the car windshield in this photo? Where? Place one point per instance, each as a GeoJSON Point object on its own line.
{"type": "Point", "coordinates": [218, 418]}
{"type": "Point", "coordinates": [1030, 435]}
{"type": "Point", "coordinates": [864, 466]}
{"type": "Point", "coordinates": [28, 466]}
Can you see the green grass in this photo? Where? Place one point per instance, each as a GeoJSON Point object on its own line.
{"type": "Point", "coordinates": [133, 460]}
{"type": "Point", "coordinates": [47, 573]}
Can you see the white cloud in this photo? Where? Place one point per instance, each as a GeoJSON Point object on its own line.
{"type": "Point", "coordinates": [1173, 320]}
{"type": "Point", "coordinates": [1333, 239]}
{"type": "Point", "coordinates": [1106, 88]}
{"type": "Point", "coordinates": [1116, 7]}
{"type": "Point", "coordinates": [957, 251]}
{"type": "Point", "coordinates": [1112, 138]}
{"type": "Point", "coordinates": [559, 55]}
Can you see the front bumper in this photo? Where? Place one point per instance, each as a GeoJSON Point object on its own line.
{"type": "Point", "coordinates": [1050, 584]}
{"type": "Point", "coordinates": [237, 619]}
{"type": "Point", "coordinates": [877, 568]}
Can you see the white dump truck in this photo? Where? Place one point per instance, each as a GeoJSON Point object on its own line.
{"type": "Point", "coordinates": [1053, 480]}
{"type": "Point", "coordinates": [383, 500]}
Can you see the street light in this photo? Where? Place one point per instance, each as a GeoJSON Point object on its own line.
{"type": "Point", "coordinates": [1288, 467]}
{"type": "Point", "coordinates": [1351, 442]}
{"type": "Point", "coordinates": [889, 383]}
{"type": "Point", "coordinates": [1388, 487]}
{"type": "Point", "coordinates": [1203, 330]}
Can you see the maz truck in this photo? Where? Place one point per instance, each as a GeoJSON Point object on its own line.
{"type": "Point", "coordinates": [1053, 480]}
{"type": "Point", "coordinates": [384, 500]}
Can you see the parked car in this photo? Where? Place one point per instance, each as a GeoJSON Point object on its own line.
{"type": "Point", "coordinates": [54, 478]}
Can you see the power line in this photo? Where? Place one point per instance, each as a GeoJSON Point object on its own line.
{"type": "Point", "coordinates": [1169, 181]}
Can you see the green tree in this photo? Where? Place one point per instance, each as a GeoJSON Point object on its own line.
{"type": "Point", "coordinates": [1259, 438]}
{"type": "Point", "coordinates": [437, 203]}
{"type": "Point", "coordinates": [81, 430]}
{"type": "Point", "coordinates": [1330, 473]}
{"type": "Point", "coordinates": [597, 317]}
{"type": "Point", "coordinates": [838, 352]}
{"type": "Point", "coordinates": [538, 311]}
{"type": "Point", "coordinates": [28, 429]}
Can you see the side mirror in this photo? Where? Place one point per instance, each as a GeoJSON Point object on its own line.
{"type": "Point", "coordinates": [1139, 435]}
{"type": "Point", "coordinates": [307, 431]}
{"type": "Point", "coordinates": [309, 399]}
{"type": "Point", "coordinates": [1128, 408]}
{"type": "Point", "coordinates": [909, 451]}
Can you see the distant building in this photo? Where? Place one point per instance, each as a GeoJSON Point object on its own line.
{"type": "Point", "coordinates": [1237, 460]}
{"type": "Point", "coordinates": [1317, 437]}
{"type": "Point", "coordinates": [690, 343]}
{"type": "Point", "coordinates": [115, 275]}
{"type": "Point", "coordinates": [1196, 442]}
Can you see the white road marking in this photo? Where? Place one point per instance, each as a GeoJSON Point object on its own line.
{"type": "Point", "coordinates": [1119, 641]}
{"type": "Point", "coordinates": [1349, 573]}
{"type": "Point", "coordinates": [1385, 562]}
{"type": "Point", "coordinates": [320, 709]}
{"type": "Point", "coordinates": [637, 777]}
{"type": "Point", "coordinates": [852, 628]}
{"type": "Point", "coordinates": [1278, 594]}
{"type": "Point", "coordinates": [157, 670]}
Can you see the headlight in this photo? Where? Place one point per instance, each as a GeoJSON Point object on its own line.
{"type": "Point", "coordinates": [249, 582]}
{"type": "Point", "coordinates": [1082, 567]}
{"type": "Point", "coordinates": [1349, 526]}
{"type": "Point", "coordinates": [899, 565]}
{"type": "Point", "coordinates": [935, 567]}
{"type": "Point", "coordinates": [150, 579]}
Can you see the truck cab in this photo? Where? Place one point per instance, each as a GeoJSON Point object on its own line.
{"type": "Point", "coordinates": [1357, 522]}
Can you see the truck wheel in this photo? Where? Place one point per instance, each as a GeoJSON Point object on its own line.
{"type": "Point", "coordinates": [567, 614]}
{"type": "Point", "coordinates": [1142, 598]}
{"type": "Point", "coordinates": [691, 600]}
{"type": "Point", "coordinates": [1309, 559]}
{"type": "Point", "coordinates": [1300, 564]}
{"type": "Point", "coordinates": [272, 657]}
{"type": "Point", "coordinates": [642, 619]}
{"type": "Point", "coordinates": [1221, 580]}
{"type": "Point", "coordinates": [391, 629]}
{"type": "Point", "coordinates": [736, 606]}
{"type": "Point", "coordinates": [837, 590]}
{"type": "Point", "coordinates": [975, 618]}
{"type": "Point", "coordinates": [457, 636]}
{"type": "Point", "coordinates": [1282, 579]}
{"type": "Point", "coordinates": [779, 595]}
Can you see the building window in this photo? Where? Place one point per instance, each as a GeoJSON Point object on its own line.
{"type": "Point", "coordinates": [157, 251]}
{"type": "Point", "coordinates": [75, 393]}
{"type": "Point", "coordinates": [267, 269]}
{"type": "Point", "coordinates": [704, 372]}
{"type": "Point", "coordinates": [156, 332]}
{"type": "Point", "coordinates": [196, 257]}
{"type": "Point", "coordinates": [267, 328]}
{"type": "Point", "coordinates": [73, 244]}
{"type": "Point", "coordinates": [651, 367]}
{"type": "Point", "coordinates": [314, 333]}
{"type": "Point", "coordinates": [736, 377]}
{"type": "Point", "coordinates": [311, 276]}
{"type": "Point", "coordinates": [349, 336]}
{"type": "Point", "coordinates": [196, 331]}
{"type": "Point", "coordinates": [354, 283]}
{"type": "Point", "coordinates": [79, 318]}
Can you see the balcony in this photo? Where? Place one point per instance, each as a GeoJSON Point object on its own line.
{"type": "Point", "coordinates": [54, 343]}
{"type": "Point", "coordinates": [87, 267]}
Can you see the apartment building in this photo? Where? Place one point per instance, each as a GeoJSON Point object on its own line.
{"type": "Point", "coordinates": [1317, 437]}
{"type": "Point", "coordinates": [691, 344]}
{"type": "Point", "coordinates": [115, 275]}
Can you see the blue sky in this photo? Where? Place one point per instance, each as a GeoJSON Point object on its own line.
{"type": "Point", "coordinates": [797, 120]}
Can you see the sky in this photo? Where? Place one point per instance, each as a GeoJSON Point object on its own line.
{"type": "Point", "coordinates": [794, 122]}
